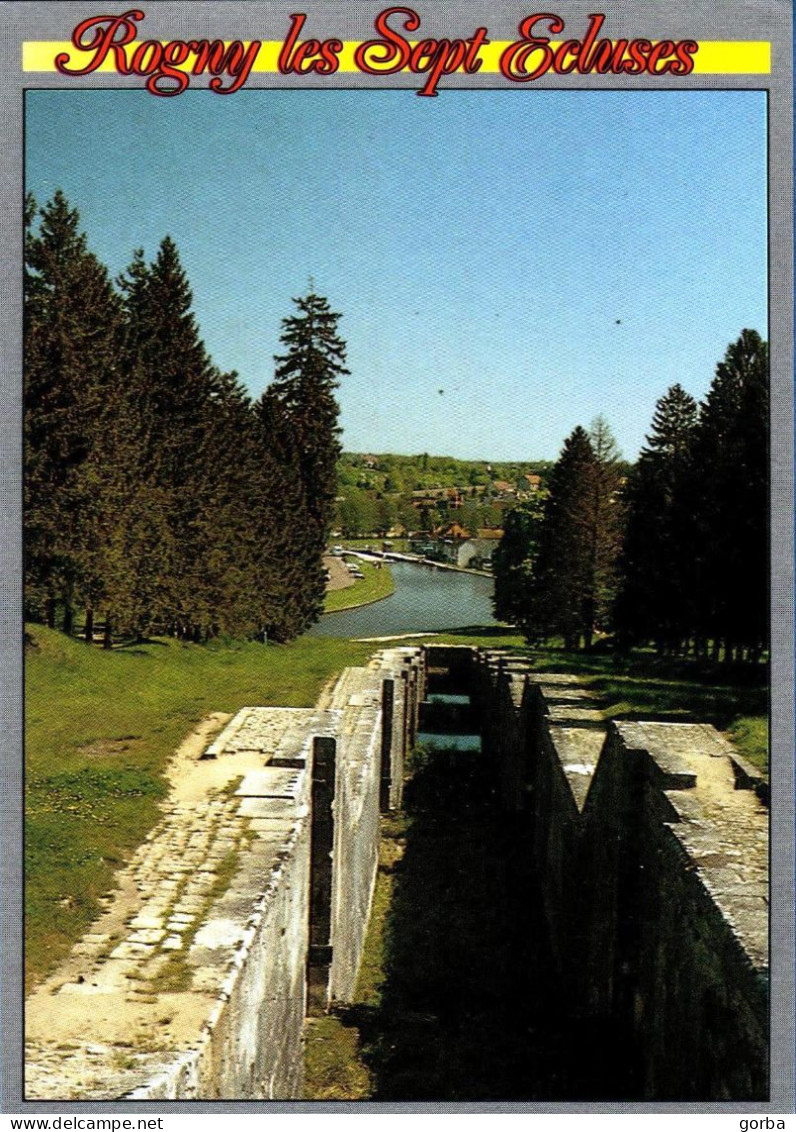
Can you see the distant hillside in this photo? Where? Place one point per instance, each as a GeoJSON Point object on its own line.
{"type": "Point", "coordinates": [387, 473]}
{"type": "Point", "coordinates": [385, 494]}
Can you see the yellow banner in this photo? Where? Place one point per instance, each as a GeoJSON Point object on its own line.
{"type": "Point", "coordinates": [725, 57]}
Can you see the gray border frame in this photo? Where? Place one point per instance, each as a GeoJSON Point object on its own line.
{"type": "Point", "coordinates": [721, 19]}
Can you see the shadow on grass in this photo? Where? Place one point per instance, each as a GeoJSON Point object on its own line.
{"type": "Point", "coordinates": [685, 701]}
{"type": "Point", "coordinates": [132, 645]}
{"type": "Point", "coordinates": [495, 631]}
{"type": "Point", "coordinates": [643, 685]}
{"type": "Point", "coordinates": [470, 1008]}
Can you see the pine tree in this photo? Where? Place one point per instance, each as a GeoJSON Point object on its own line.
{"type": "Point", "coordinates": [157, 495]}
{"type": "Point", "coordinates": [304, 384]}
{"type": "Point", "coordinates": [576, 575]}
{"type": "Point", "coordinates": [171, 379]}
{"type": "Point", "coordinates": [72, 322]}
{"type": "Point", "coordinates": [562, 600]}
{"type": "Point", "coordinates": [607, 520]}
{"type": "Point", "coordinates": [294, 584]}
{"type": "Point", "coordinates": [234, 528]}
{"type": "Point", "coordinates": [300, 414]}
{"type": "Point", "coordinates": [728, 492]}
{"type": "Point", "coordinates": [654, 602]}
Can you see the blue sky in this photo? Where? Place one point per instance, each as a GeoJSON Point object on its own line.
{"type": "Point", "coordinates": [508, 263]}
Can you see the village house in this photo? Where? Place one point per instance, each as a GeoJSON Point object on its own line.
{"type": "Point", "coordinates": [473, 552]}
{"type": "Point", "coordinates": [529, 484]}
{"type": "Point", "coordinates": [501, 489]}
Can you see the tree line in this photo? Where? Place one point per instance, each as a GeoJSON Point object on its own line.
{"type": "Point", "coordinates": [673, 554]}
{"type": "Point", "coordinates": [158, 497]}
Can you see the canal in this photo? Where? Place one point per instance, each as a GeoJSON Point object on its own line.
{"type": "Point", "coordinates": [425, 600]}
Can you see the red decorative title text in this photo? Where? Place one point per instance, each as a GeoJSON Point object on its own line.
{"type": "Point", "coordinates": [169, 66]}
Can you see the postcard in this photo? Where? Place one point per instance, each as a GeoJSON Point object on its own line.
{"type": "Point", "coordinates": [398, 559]}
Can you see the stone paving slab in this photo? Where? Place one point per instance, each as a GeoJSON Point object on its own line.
{"type": "Point", "coordinates": [266, 807]}
{"type": "Point", "coordinates": [572, 714]}
{"type": "Point", "coordinates": [258, 729]}
{"type": "Point", "coordinates": [141, 988]}
{"type": "Point", "coordinates": [169, 883]}
{"type": "Point", "coordinates": [271, 782]}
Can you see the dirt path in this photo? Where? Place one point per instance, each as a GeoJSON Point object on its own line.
{"type": "Point", "coordinates": [340, 577]}
{"type": "Point", "coordinates": [115, 963]}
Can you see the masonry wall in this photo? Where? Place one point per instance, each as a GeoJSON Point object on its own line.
{"type": "Point", "coordinates": [247, 961]}
{"type": "Point", "coordinates": [252, 1044]}
{"type": "Point", "coordinates": [206, 993]}
{"type": "Point", "coordinates": [682, 960]}
{"type": "Point", "coordinates": [372, 748]}
{"type": "Point", "coordinates": [649, 843]}
{"type": "Point", "coordinates": [356, 845]}
{"type": "Point", "coordinates": [651, 849]}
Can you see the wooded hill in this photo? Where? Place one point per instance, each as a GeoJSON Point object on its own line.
{"type": "Point", "coordinates": [388, 493]}
{"type": "Point", "coordinates": [390, 473]}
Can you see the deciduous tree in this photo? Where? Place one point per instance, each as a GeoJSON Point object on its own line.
{"type": "Point", "coordinates": [514, 562]}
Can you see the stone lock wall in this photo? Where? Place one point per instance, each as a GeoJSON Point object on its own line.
{"type": "Point", "coordinates": [651, 849]}
{"type": "Point", "coordinates": [379, 706]}
{"type": "Point", "coordinates": [650, 844]}
{"type": "Point", "coordinates": [202, 991]}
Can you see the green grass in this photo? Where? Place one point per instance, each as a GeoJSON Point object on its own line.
{"type": "Point", "coordinates": [452, 998]}
{"type": "Point", "coordinates": [644, 686]}
{"type": "Point", "coordinates": [399, 545]}
{"type": "Point", "coordinates": [376, 585]}
{"type": "Point", "coordinates": [100, 728]}
{"type": "Point", "coordinates": [333, 1065]}
{"type": "Point", "coordinates": [749, 733]}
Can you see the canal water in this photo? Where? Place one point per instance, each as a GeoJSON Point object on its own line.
{"type": "Point", "coordinates": [425, 600]}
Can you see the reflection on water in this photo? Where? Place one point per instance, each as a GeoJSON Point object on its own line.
{"type": "Point", "coordinates": [425, 599]}
{"type": "Point", "coordinates": [441, 742]}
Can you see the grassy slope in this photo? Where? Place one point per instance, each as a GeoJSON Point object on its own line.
{"type": "Point", "coordinates": [644, 686]}
{"type": "Point", "coordinates": [100, 727]}
{"type": "Point", "coordinates": [376, 585]}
